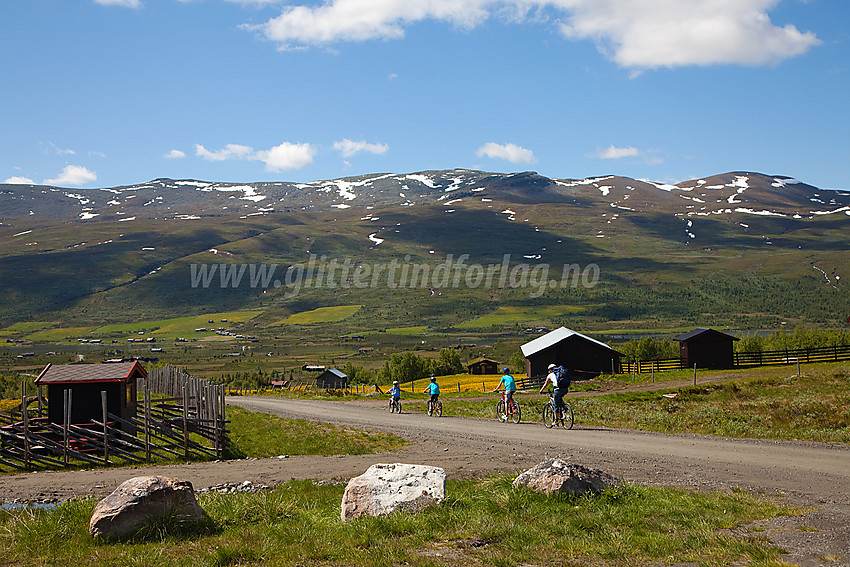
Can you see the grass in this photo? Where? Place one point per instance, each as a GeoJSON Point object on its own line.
{"type": "Point", "coordinates": [485, 521]}
{"type": "Point", "coordinates": [321, 315]}
{"type": "Point", "coordinates": [512, 315]}
{"type": "Point", "coordinates": [263, 435]}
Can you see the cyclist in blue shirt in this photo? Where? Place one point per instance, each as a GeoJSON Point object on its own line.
{"type": "Point", "coordinates": [433, 389]}
{"type": "Point", "coordinates": [395, 392]}
{"type": "Point", "coordinates": [510, 386]}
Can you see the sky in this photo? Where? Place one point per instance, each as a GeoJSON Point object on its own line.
{"type": "Point", "coordinates": [103, 93]}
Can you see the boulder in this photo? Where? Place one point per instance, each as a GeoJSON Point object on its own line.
{"type": "Point", "coordinates": [557, 476]}
{"type": "Point", "coordinates": [383, 488]}
{"type": "Point", "coordinates": [142, 501]}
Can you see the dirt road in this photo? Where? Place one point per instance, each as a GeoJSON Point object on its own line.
{"type": "Point", "coordinates": [810, 474]}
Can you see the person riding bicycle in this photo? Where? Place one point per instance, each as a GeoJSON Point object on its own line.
{"type": "Point", "coordinates": [510, 387]}
{"type": "Point", "coordinates": [553, 378]}
{"type": "Point", "coordinates": [395, 392]}
{"type": "Point", "coordinates": [433, 389]}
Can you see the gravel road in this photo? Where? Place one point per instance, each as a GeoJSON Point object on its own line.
{"type": "Point", "coordinates": [806, 474]}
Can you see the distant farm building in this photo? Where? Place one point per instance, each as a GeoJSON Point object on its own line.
{"type": "Point", "coordinates": [482, 365]}
{"type": "Point", "coordinates": [313, 368]}
{"type": "Point", "coordinates": [706, 348]}
{"type": "Point", "coordinates": [332, 378]}
{"type": "Point", "coordinates": [85, 382]}
{"type": "Point", "coordinates": [580, 354]}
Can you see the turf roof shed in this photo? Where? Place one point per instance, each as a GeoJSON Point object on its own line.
{"type": "Point", "coordinates": [86, 382]}
{"type": "Point", "coordinates": [482, 365]}
{"type": "Point", "coordinates": [706, 348]}
{"type": "Point", "coordinates": [580, 354]}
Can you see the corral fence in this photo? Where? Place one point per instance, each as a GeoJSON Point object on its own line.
{"type": "Point", "coordinates": [177, 417]}
{"type": "Point", "coordinates": [750, 359]}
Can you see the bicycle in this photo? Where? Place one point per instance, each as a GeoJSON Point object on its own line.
{"type": "Point", "coordinates": [564, 418]}
{"type": "Point", "coordinates": [435, 408]}
{"type": "Point", "coordinates": [395, 405]}
{"type": "Point", "coordinates": [513, 412]}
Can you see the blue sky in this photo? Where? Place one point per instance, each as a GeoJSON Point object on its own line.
{"type": "Point", "coordinates": [100, 93]}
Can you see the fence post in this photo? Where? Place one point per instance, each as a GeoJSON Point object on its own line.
{"type": "Point", "coordinates": [105, 428]}
{"type": "Point", "coordinates": [66, 413]}
{"type": "Point", "coordinates": [695, 373]}
{"type": "Point", "coordinates": [26, 422]}
{"type": "Point", "coordinates": [146, 406]}
{"type": "Point", "coordinates": [798, 367]}
{"type": "Point", "coordinates": [482, 387]}
{"type": "Point", "coordinates": [458, 386]}
{"type": "Point", "coordinates": [186, 421]}
{"type": "Point", "coordinates": [653, 372]}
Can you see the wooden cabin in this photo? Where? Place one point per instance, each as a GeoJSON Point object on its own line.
{"type": "Point", "coordinates": [583, 356]}
{"type": "Point", "coordinates": [332, 378]}
{"type": "Point", "coordinates": [85, 382]}
{"type": "Point", "coordinates": [706, 348]}
{"type": "Point", "coordinates": [482, 365]}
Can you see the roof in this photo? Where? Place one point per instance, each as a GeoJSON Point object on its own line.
{"type": "Point", "coordinates": [554, 337]}
{"type": "Point", "coordinates": [699, 331]}
{"type": "Point", "coordinates": [81, 373]}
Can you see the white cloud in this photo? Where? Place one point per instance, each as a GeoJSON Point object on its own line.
{"type": "Point", "coordinates": [287, 156]}
{"type": "Point", "coordinates": [349, 148]}
{"type": "Point", "coordinates": [73, 175]}
{"type": "Point", "coordinates": [175, 154]}
{"type": "Point", "coordinates": [509, 152]}
{"type": "Point", "coordinates": [122, 3]}
{"type": "Point", "coordinates": [636, 34]}
{"type": "Point", "coordinates": [19, 181]}
{"type": "Point", "coordinates": [284, 156]}
{"type": "Point", "coordinates": [613, 152]}
{"type": "Point", "coordinates": [230, 151]}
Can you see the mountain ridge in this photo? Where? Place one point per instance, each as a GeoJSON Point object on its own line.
{"type": "Point", "coordinates": [190, 199]}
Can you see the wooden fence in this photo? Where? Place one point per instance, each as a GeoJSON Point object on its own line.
{"type": "Point", "coordinates": [749, 359]}
{"type": "Point", "coordinates": [178, 417]}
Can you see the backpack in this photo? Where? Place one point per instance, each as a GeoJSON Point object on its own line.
{"type": "Point", "coordinates": [563, 377]}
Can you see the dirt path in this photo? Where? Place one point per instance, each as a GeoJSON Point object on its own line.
{"type": "Point", "coordinates": [810, 474]}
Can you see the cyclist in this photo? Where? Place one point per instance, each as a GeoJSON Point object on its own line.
{"type": "Point", "coordinates": [433, 389]}
{"type": "Point", "coordinates": [395, 392]}
{"type": "Point", "coordinates": [557, 393]}
{"type": "Point", "coordinates": [510, 387]}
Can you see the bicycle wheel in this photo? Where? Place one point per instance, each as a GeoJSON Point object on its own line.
{"type": "Point", "coordinates": [567, 416]}
{"type": "Point", "coordinates": [439, 409]}
{"type": "Point", "coordinates": [500, 411]}
{"type": "Point", "coordinates": [392, 406]}
{"type": "Point", "coordinates": [516, 413]}
{"type": "Point", "coordinates": [548, 416]}
{"type": "Point", "coordinates": [430, 408]}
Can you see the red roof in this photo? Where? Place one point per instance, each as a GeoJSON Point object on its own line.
{"type": "Point", "coordinates": [90, 373]}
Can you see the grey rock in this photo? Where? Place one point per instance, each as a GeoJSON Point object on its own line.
{"type": "Point", "coordinates": [557, 476]}
{"type": "Point", "coordinates": [142, 501]}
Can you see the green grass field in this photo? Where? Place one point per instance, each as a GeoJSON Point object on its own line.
{"type": "Point", "coordinates": [320, 315]}
{"type": "Point", "coordinates": [511, 315]}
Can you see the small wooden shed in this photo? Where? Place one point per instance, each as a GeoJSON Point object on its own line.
{"type": "Point", "coordinates": [482, 365]}
{"type": "Point", "coordinates": [85, 383]}
{"type": "Point", "coordinates": [706, 348]}
{"type": "Point", "coordinates": [583, 356]}
{"type": "Point", "coordinates": [332, 378]}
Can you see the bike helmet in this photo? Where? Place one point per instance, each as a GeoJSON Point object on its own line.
{"type": "Point", "coordinates": [433, 379]}
{"type": "Point", "coordinates": [551, 366]}
{"type": "Point", "coordinates": [395, 382]}
{"type": "Point", "coordinates": [505, 369]}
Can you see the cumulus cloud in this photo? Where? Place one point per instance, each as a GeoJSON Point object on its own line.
{"type": "Point", "coordinates": [175, 154]}
{"type": "Point", "coordinates": [279, 158]}
{"type": "Point", "coordinates": [613, 152]}
{"type": "Point", "coordinates": [72, 175]}
{"type": "Point", "coordinates": [509, 152]}
{"type": "Point", "coordinates": [287, 156]}
{"type": "Point", "coordinates": [19, 181]}
{"type": "Point", "coordinates": [122, 3]}
{"type": "Point", "coordinates": [636, 34]}
{"type": "Point", "coordinates": [349, 148]}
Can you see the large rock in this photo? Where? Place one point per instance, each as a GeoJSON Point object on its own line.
{"type": "Point", "coordinates": [382, 489]}
{"type": "Point", "coordinates": [556, 476]}
{"type": "Point", "coordinates": [145, 500]}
